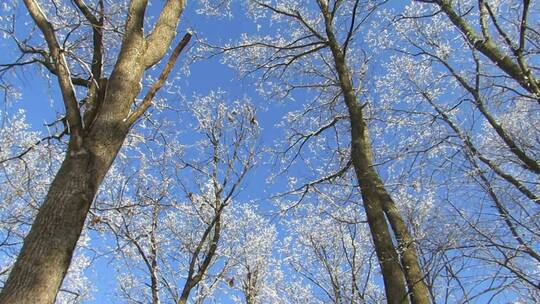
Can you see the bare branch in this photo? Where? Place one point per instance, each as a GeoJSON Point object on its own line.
{"type": "Point", "coordinates": [63, 73]}
{"type": "Point", "coordinates": [147, 100]}
{"type": "Point", "coordinates": [519, 72]}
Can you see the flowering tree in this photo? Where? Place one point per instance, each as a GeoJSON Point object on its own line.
{"type": "Point", "coordinates": [171, 204]}
{"type": "Point", "coordinates": [254, 270]}
{"type": "Point", "coordinates": [329, 248]}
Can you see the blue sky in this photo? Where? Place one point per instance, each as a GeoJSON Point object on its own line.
{"type": "Point", "coordinates": [42, 103]}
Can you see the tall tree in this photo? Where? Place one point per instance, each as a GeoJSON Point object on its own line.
{"type": "Point", "coordinates": [25, 173]}
{"type": "Point", "coordinates": [97, 126]}
{"type": "Point", "coordinates": [171, 207]}
{"type": "Point", "coordinates": [316, 50]}
{"type": "Point", "coordinates": [472, 132]}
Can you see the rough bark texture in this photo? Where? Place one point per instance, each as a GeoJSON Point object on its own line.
{"type": "Point", "coordinates": [47, 251]}
{"type": "Point", "coordinates": [378, 203]}
{"type": "Point", "coordinates": [46, 254]}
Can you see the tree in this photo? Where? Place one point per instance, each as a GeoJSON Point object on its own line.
{"type": "Point", "coordinates": [404, 142]}
{"type": "Point", "coordinates": [472, 132]}
{"type": "Point", "coordinates": [328, 246]}
{"type": "Point", "coordinates": [172, 205]}
{"type": "Point", "coordinates": [97, 126]}
{"type": "Point", "coordinates": [24, 178]}
{"type": "Point", "coordinates": [315, 53]}
{"type": "Point", "coordinates": [255, 272]}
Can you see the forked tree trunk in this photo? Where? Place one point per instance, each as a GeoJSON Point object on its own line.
{"type": "Point", "coordinates": [196, 275]}
{"type": "Point", "coordinates": [47, 250]}
{"type": "Point", "coordinates": [380, 208]}
{"type": "Point", "coordinates": [387, 255]}
{"type": "Point", "coordinates": [397, 267]}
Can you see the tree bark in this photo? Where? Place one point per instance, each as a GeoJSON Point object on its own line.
{"type": "Point", "coordinates": [46, 254]}
{"type": "Point", "coordinates": [387, 255]}
{"type": "Point", "coordinates": [379, 203]}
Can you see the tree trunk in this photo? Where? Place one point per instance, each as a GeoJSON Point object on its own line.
{"type": "Point", "coordinates": [409, 257]}
{"type": "Point", "coordinates": [392, 273]}
{"type": "Point", "coordinates": [46, 254]}
{"type": "Point", "coordinates": [47, 251]}
{"type": "Point", "coordinates": [154, 281]}
{"type": "Point", "coordinates": [378, 204]}
{"type": "Point", "coordinates": [185, 294]}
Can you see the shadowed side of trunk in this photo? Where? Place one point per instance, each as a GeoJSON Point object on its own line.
{"type": "Point", "coordinates": [48, 248]}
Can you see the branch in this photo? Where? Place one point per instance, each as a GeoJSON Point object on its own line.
{"type": "Point", "coordinates": [97, 31]}
{"type": "Point", "coordinates": [62, 71]}
{"type": "Point", "coordinates": [32, 147]}
{"type": "Point", "coordinates": [164, 30]}
{"type": "Point", "coordinates": [78, 81]}
{"type": "Point", "coordinates": [528, 162]}
{"type": "Point", "coordinates": [351, 27]}
{"type": "Point", "coordinates": [193, 278]}
{"type": "Point", "coordinates": [471, 150]}
{"type": "Point", "coordinates": [135, 19]}
{"type": "Point", "coordinates": [518, 72]}
{"type": "Point", "coordinates": [296, 15]}
{"type": "Point", "coordinates": [147, 100]}
{"type": "Point", "coordinates": [304, 189]}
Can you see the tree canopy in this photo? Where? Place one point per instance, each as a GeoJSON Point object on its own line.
{"type": "Point", "coordinates": [269, 151]}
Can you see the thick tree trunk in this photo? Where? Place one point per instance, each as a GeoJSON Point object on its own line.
{"type": "Point", "coordinates": [374, 193]}
{"type": "Point", "coordinates": [392, 272]}
{"type": "Point", "coordinates": [46, 254]}
{"type": "Point", "coordinates": [376, 197]}
{"type": "Point", "coordinates": [409, 257]}
{"type": "Point", "coordinates": [47, 251]}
